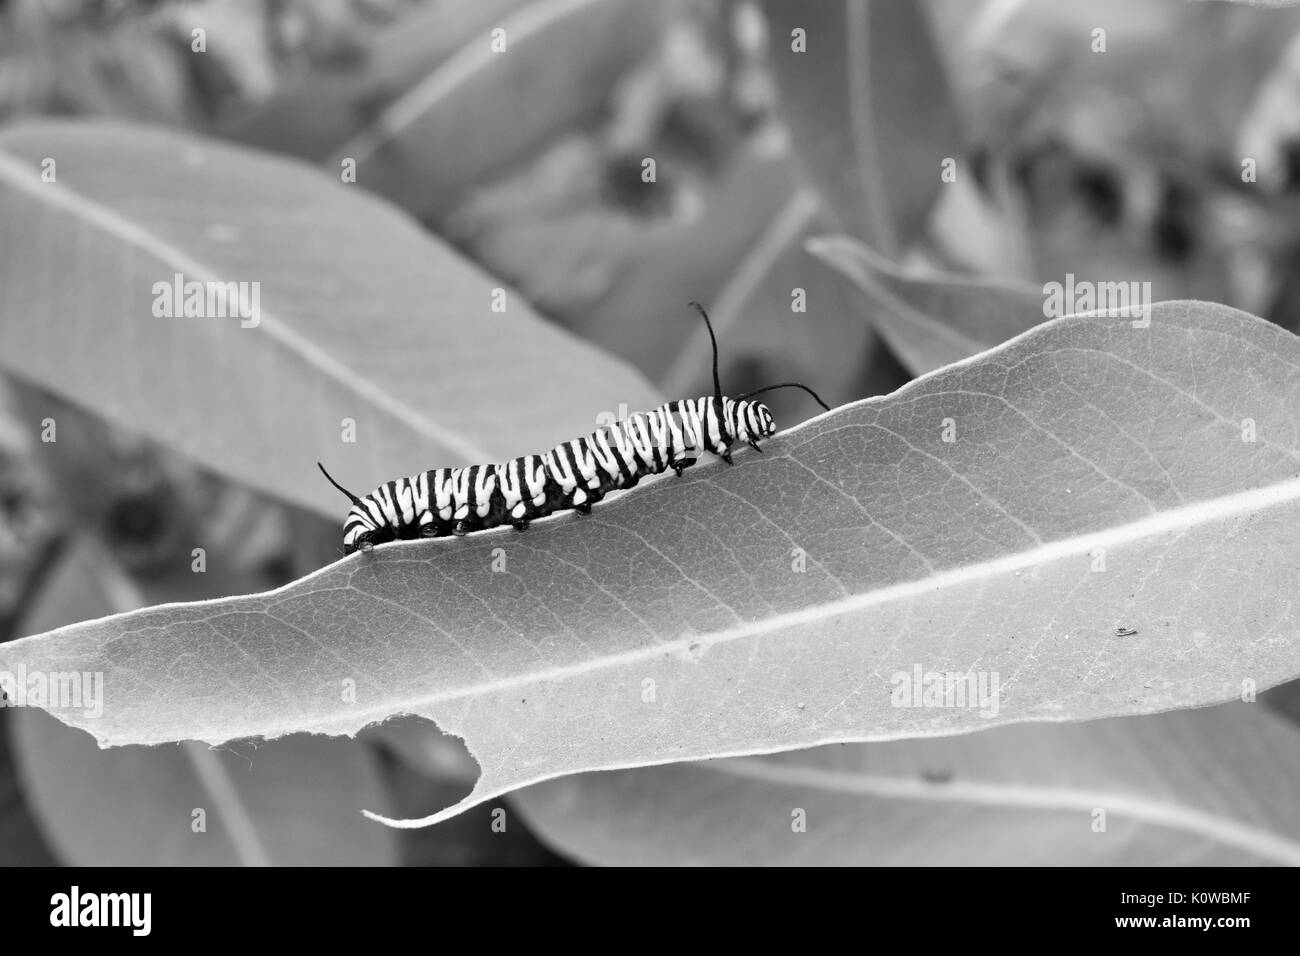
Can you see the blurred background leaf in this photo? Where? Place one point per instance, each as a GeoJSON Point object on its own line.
{"type": "Point", "coordinates": [363, 319]}
{"type": "Point", "coordinates": [930, 320]}
{"type": "Point", "coordinates": [452, 129]}
{"type": "Point", "coordinates": [1166, 789]}
{"type": "Point", "coordinates": [335, 97]}
{"type": "Point", "coordinates": [870, 112]}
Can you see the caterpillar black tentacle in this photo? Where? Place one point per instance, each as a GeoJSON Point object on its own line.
{"type": "Point", "coordinates": [572, 476]}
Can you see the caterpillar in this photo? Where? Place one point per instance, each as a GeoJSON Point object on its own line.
{"type": "Point", "coordinates": [571, 476]}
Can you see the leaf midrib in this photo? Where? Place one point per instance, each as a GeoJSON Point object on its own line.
{"type": "Point", "coordinates": [1180, 518]}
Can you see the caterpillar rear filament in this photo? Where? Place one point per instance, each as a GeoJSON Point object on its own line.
{"type": "Point", "coordinates": [572, 476]}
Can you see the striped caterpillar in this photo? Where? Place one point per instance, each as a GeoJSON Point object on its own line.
{"type": "Point", "coordinates": [571, 476]}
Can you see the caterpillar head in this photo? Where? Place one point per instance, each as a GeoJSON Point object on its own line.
{"type": "Point", "coordinates": [751, 417]}
{"type": "Point", "coordinates": [755, 416]}
{"type": "Point", "coordinates": [754, 420]}
{"type": "Point", "coordinates": [361, 529]}
{"type": "Point", "coordinates": [360, 533]}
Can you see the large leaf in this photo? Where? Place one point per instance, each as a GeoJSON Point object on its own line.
{"type": "Point", "coordinates": [870, 110]}
{"type": "Point", "coordinates": [1129, 791]}
{"type": "Point", "coordinates": [363, 316]}
{"type": "Point", "coordinates": [1097, 537]}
